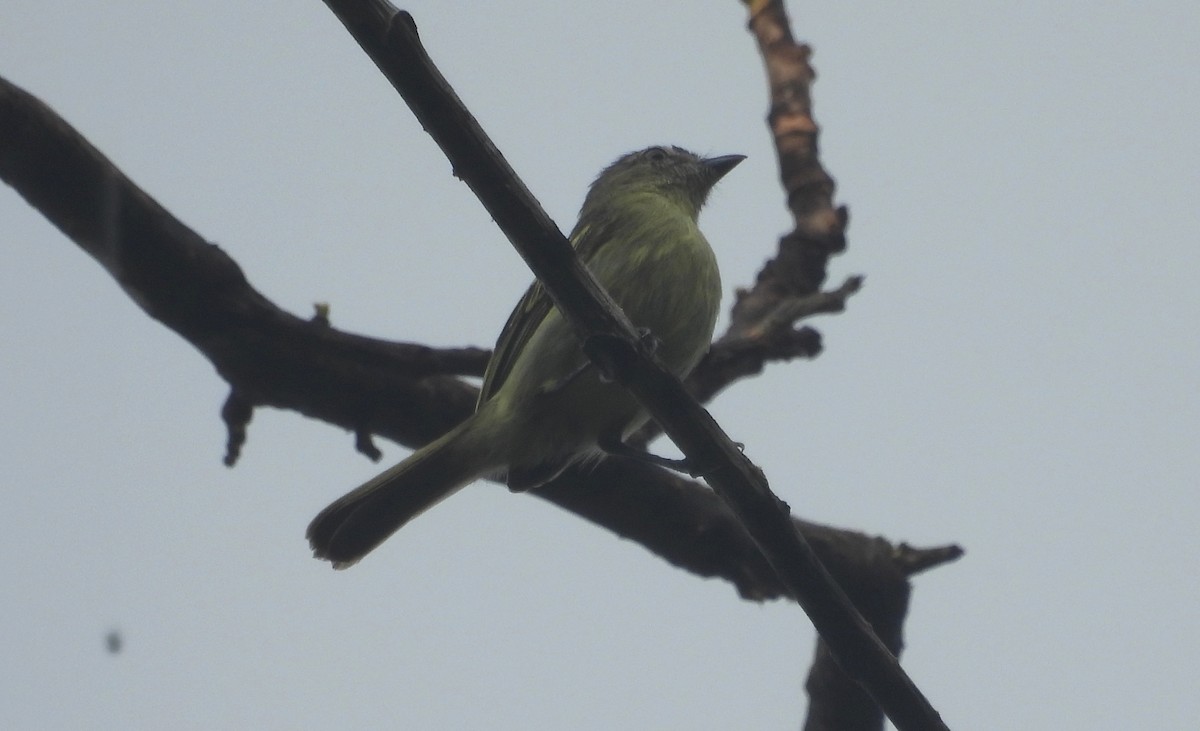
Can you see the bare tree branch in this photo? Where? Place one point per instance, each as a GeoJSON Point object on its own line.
{"type": "Point", "coordinates": [787, 289]}
{"type": "Point", "coordinates": [271, 357]}
{"type": "Point", "coordinates": [405, 392]}
{"type": "Point", "coordinates": [389, 38]}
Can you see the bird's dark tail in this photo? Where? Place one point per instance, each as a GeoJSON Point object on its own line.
{"type": "Point", "coordinates": [359, 521]}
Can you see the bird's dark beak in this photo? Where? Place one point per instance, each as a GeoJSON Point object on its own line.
{"type": "Point", "coordinates": [721, 165]}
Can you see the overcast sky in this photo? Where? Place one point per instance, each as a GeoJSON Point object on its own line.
{"type": "Point", "coordinates": [1019, 374]}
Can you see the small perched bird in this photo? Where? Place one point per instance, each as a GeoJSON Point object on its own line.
{"type": "Point", "coordinates": [542, 406]}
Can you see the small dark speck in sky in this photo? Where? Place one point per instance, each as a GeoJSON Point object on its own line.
{"type": "Point", "coordinates": [113, 642]}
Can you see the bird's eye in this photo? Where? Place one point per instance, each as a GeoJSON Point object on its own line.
{"type": "Point", "coordinates": [656, 154]}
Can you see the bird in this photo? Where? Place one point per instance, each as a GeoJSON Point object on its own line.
{"type": "Point", "coordinates": [542, 407]}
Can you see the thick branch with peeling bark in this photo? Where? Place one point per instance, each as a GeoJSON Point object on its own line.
{"type": "Point", "coordinates": [788, 287]}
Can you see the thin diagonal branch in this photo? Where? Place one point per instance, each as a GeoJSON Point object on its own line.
{"type": "Point", "coordinates": [611, 342]}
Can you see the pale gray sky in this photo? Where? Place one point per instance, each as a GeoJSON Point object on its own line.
{"type": "Point", "coordinates": [1018, 376]}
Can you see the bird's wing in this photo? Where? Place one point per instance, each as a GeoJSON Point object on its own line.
{"type": "Point", "coordinates": [529, 313]}
{"type": "Point", "coordinates": [524, 320]}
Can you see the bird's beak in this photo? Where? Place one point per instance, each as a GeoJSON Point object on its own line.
{"type": "Point", "coordinates": [721, 165]}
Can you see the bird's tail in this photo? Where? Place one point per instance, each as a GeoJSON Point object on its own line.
{"type": "Point", "coordinates": [356, 523]}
